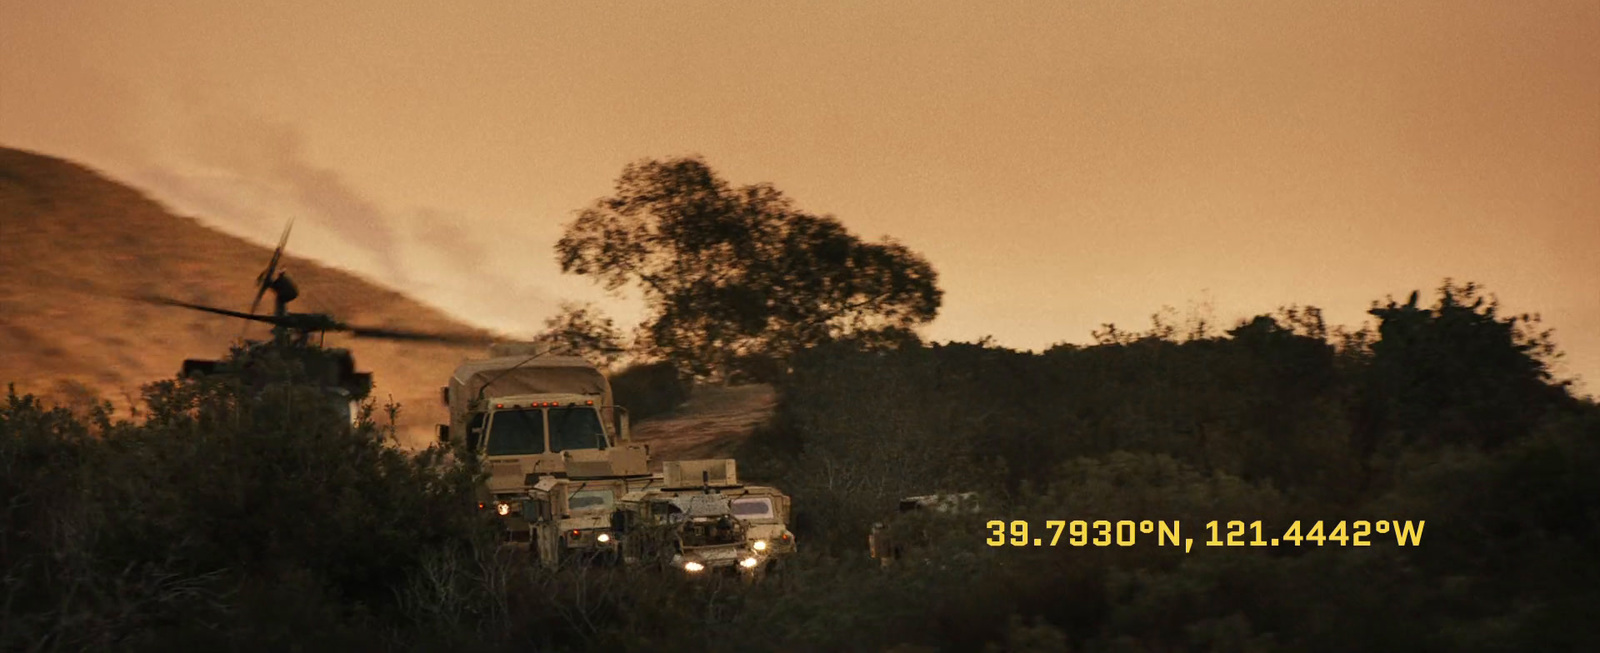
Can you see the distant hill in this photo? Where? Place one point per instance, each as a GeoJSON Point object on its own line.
{"type": "Point", "coordinates": [72, 241]}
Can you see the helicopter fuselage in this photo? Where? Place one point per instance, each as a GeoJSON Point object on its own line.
{"type": "Point", "coordinates": [257, 364]}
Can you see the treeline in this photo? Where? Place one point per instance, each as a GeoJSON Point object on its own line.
{"type": "Point", "coordinates": [249, 521]}
{"type": "Point", "coordinates": [1444, 414]}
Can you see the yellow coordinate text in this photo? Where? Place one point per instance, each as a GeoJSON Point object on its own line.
{"type": "Point", "coordinates": [1125, 532]}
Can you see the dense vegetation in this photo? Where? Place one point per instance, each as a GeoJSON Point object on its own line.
{"type": "Point", "coordinates": [226, 521]}
{"type": "Point", "coordinates": [1444, 414]}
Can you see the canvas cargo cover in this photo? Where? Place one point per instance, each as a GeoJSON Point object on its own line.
{"type": "Point", "coordinates": [547, 374]}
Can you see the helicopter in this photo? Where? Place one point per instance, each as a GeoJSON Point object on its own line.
{"type": "Point", "coordinates": [298, 337]}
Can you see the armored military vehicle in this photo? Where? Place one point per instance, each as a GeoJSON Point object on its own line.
{"type": "Point", "coordinates": [527, 413]}
{"type": "Point", "coordinates": [890, 539]}
{"type": "Point", "coordinates": [570, 517]}
{"type": "Point", "coordinates": [701, 520]}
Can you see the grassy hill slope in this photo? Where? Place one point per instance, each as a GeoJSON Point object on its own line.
{"type": "Point", "coordinates": [73, 241]}
{"type": "Point", "coordinates": [711, 424]}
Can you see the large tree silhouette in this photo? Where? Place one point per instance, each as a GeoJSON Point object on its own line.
{"type": "Point", "coordinates": [582, 330]}
{"type": "Point", "coordinates": [1460, 372]}
{"type": "Point", "coordinates": [731, 273]}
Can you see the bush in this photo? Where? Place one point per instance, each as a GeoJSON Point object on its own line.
{"type": "Point", "coordinates": [649, 389]}
{"type": "Point", "coordinates": [1273, 421]}
{"type": "Point", "coordinates": [115, 531]}
{"type": "Point", "coordinates": [252, 520]}
{"type": "Point", "coordinates": [756, 368]}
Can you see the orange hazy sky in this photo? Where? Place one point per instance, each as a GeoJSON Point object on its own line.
{"type": "Point", "coordinates": [1063, 164]}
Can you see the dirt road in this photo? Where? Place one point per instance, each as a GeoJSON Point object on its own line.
{"type": "Point", "coordinates": [708, 425]}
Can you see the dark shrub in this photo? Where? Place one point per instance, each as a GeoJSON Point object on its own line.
{"type": "Point", "coordinates": [757, 368]}
{"type": "Point", "coordinates": [115, 532]}
{"type": "Point", "coordinates": [251, 521]}
{"type": "Point", "coordinates": [649, 389]}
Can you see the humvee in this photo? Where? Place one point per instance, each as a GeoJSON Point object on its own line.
{"type": "Point", "coordinates": [570, 517]}
{"type": "Point", "coordinates": [701, 520]}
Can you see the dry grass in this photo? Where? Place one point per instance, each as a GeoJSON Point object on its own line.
{"type": "Point", "coordinates": [709, 425]}
{"type": "Point", "coordinates": [72, 242]}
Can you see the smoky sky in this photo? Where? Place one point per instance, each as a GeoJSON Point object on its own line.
{"type": "Point", "coordinates": [1062, 164]}
{"type": "Point", "coordinates": [254, 172]}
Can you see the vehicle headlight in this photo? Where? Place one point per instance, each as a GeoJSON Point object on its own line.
{"type": "Point", "coordinates": [760, 545]}
{"type": "Point", "coordinates": [502, 508]}
{"type": "Point", "coordinates": [692, 566]}
{"type": "Point", "coordinates": [749, 563]}
{"type": "Point", "coordinates": [603, 538]}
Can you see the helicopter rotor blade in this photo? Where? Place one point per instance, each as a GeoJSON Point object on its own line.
{"type": "Point", "coordinates": [415, 336]}
{"type": "Point", "coordinates": [157, 299]}
{"type": "Point", "coordinates": [264, 281]}
{"type": "Point", "coordinates": [316, 322]}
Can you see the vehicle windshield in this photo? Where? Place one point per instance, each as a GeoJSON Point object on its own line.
{"type": "Point", "coordinates": [711, 532]}
{"type": "Point", "coordinates": [576, 428]}
{"type": "Point", "coordinates": [599, 500]}
{"type": "Point", "coordinates": [752, 507]}
{"type": "Point", "coordinates": [516, 432]}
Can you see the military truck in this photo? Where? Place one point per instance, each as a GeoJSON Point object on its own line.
{"type": "Point", "coordinates": [528, 413]}
{"type": "Point", "coordinates": [570, 516]}
{"type": "Point", "coordinates": [889, 540]}
{"type": "Point", "coordinates": [701, 520]}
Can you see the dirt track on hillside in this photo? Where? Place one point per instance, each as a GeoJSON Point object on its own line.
{"type": "Point", "coordinates": [709, 425]}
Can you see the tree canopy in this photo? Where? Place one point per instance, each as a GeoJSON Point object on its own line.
{"type": "Point", "coordinates": [732, 273]}
{"type": "Point", "coordinates": [582, 330]}
{"type": "Point", "coordinates": [1459, 371]}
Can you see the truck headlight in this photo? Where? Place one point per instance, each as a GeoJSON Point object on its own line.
{"type": "Point", "coordinates": [692, 566]}
{"type": "Point", "coordinates": [603, 538]}
{"type": "Point", "coordinates": [749, 563]}
{"type": "Point", "coordinates": [760, 545]}
{"type": "Point", "coordinates": [502, 508]}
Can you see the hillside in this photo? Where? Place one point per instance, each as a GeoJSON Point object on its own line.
{"type": "Point", "coordinates": [709, 425]}
{"type": "Point", "coordinates": [72, 242]}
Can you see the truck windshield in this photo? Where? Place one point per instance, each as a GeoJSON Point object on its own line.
{"type": "Point", "coordinates": [711, 532]}
{"type": "Point", "coordinates": [516, 432]}
{"type": "Point", "coordinates": [576, 428]}
{"type": "Point", "coordinates": [587, 500]}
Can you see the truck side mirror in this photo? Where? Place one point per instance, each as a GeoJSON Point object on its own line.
{"type": "Point", "coordinates": [443, 431]}
{"type": "Point", "coordinates": [444, 394]}
{"type": "Point", "coordinates": [474, 434]}
{"type": "Point", "coordinates": [619, 521]}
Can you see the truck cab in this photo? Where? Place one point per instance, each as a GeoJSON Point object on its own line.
{"type": "Point", "coordinates": [525, 417]}
{"type": "Point", "coordinates": [539, 434]}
